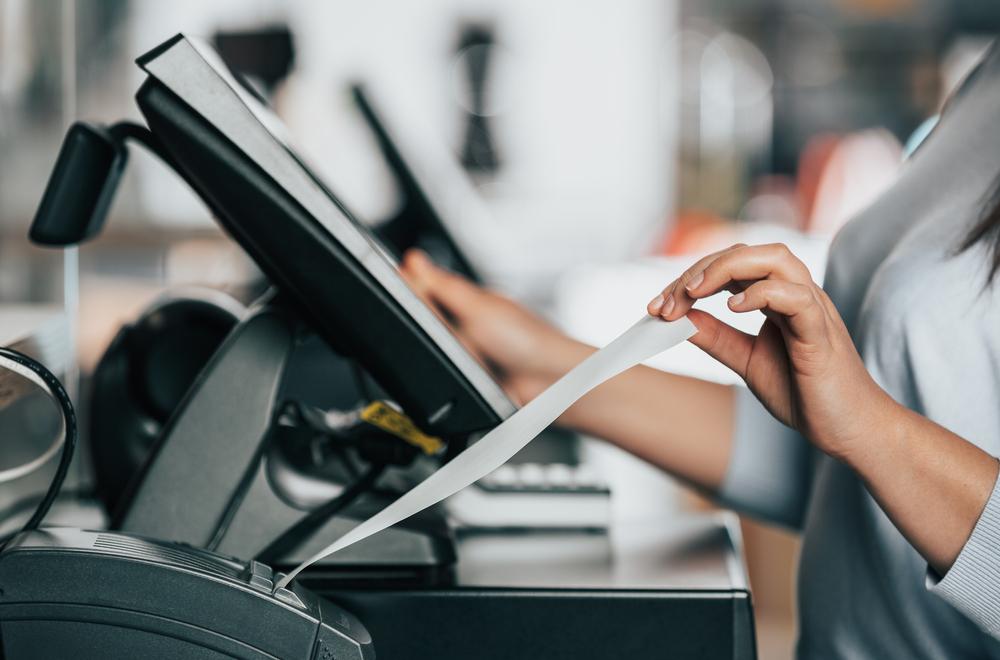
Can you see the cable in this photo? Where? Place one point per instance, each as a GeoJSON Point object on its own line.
{"type": "Point", "coordinates": [236, 498]}
{"type": "Point", "coordinates": [38, 374]}
{"type": "Point", "coordinates": [290, 417]}
{"type": "Point", "coordinates": [286, 416]}
{"type": "Point", "coordinates": [291, 538]}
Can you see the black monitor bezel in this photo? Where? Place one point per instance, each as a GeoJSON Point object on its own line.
{"type": "Point", "coordinates": [415, 363]}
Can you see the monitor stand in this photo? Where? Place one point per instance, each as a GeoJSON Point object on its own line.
{"type": "Point", "coordinates": [215, 450]}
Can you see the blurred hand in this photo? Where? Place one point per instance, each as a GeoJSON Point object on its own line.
{"type": "Point", "coordinates": [803, 365]}
{"type": "Point", "coordinates": [523, 351]}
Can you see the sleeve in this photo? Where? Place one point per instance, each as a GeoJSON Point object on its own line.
{"type": "Point", "coordinates": [972, 585]}
{"type": "Point", "coordinates": [770, 466]}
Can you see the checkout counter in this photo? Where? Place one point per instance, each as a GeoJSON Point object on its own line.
{"type": "Point", "coordinates": [210, 500]}
{"type": "Point", "coordinates": [674, 590]}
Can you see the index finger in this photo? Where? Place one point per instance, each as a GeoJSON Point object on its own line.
{"type": "Point", "coordinates": [758, 262]}
{"type": "Point", "coordinates": [673, 302]}
{"type": "Point", "coordinates": [438, 287]}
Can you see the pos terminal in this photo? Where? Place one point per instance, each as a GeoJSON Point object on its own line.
{"type": "Point", "coordinates": [333, 278]}
{"type": "Point", "coordinates": [233, 472]}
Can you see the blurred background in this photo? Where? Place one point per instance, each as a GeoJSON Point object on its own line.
{"type": "Point", "coordinates": [608, 144]}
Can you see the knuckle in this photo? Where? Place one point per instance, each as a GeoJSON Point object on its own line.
{"type": "Point", "coordinates": [686, 277]}
{"type": "Point", "coordinates": [772, 292]}
{"type": "Point", "coordinates": [751, 295]}
{"type": "Point", "coordinates": [792, 262]}
{"type": "Point", "coordinates": [823, 303]}
{"type": "Point", "coordinates": [783, 250]}
{"type": "Point", "coordinates": [721, 264]}
{"type": "Point", "coordinates": [777, 251]}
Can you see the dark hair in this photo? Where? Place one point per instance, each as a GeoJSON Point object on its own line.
{"type": "Point", "coordinates": [987, 229]}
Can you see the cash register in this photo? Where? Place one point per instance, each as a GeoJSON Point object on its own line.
{"type": "Point", "coordinates": [218, 483]}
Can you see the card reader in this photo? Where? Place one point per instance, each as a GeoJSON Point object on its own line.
{"type": "Point", "coordinates": [107, 595]}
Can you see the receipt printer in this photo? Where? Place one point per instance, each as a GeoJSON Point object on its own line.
{"type": "Point", "coordinates": [107, 595]}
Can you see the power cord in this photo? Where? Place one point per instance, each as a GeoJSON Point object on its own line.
{"type": "Point", "coordinates": [377, 446]}
{"type": "Point", "coordinates": [288, 421]}
{"type": "Point", "coordinates": [291, 538]}
{"type": "Point", "coordinates": [37, 373]}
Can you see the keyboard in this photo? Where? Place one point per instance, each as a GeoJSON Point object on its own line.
{"type": "Point", "coordinates": [534, 495]}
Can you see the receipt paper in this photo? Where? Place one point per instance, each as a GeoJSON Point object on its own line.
{"type": "Point", "coordinates": [647, 338]}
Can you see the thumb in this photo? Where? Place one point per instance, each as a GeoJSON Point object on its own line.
{"type": "Point", "coordinates": [723, 342]}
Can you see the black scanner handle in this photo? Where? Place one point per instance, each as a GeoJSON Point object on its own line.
{"type": "Point", "coordinates": [84, 180]}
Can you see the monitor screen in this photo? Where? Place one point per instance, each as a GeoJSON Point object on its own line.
{"type": "Point", "coordinates": [440, 209]}
{"type": "Point", "coordinates": [239, 158]}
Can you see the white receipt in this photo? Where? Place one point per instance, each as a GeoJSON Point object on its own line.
{"type": "Point", "coordinates": [647, 338]}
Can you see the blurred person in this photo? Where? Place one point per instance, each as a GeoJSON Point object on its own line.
{"type": "Point", "coordinates": [871, 417]}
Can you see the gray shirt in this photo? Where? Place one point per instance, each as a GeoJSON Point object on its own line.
{"type": "Point", "coordinates": [928, 328]}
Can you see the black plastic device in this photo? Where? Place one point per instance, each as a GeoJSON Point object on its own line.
{"type": "Point", "coordinates": [105, 595]}
{"type": "Point", "coordinates": [81, 187]}
{"type": "Point", "coordinates": [83, 182]}
{"type": "Point", "coordinates": [143, 376]}
{"type": "Point", "coordinates": [210, 479]}
{"type": "Point", "coordinates": [231, 150]}
{"type": "Point", "coordinates": [420, 222]}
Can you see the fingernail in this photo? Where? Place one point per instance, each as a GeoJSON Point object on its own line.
{"type": "Point", "coordinates": [737, 299]}
{"type": "Point", "coordinates": [655, 304]}
{"type": "Point", "coordinates": [668, 307]}
{"type": "Point", "coordinates": [695, 281]}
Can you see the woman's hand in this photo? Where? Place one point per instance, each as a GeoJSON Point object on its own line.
{"type": "Point", "coordinates": [931, 483]}
{"type": "Point", "coordinates": [802, 365]}
{"type": "Point", "coordinates": [526, 353]}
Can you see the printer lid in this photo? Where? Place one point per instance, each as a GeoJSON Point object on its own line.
{"type": "Point", "coordinates": [194, 73]}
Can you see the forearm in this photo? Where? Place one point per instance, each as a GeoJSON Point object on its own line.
{"type": "Point", "coordinates": [931, 483]}
{"type": "Point", "coordinates": [682, 425]}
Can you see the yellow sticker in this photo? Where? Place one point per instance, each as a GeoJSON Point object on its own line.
{"type": "Point", "coordinates": [389, 419]}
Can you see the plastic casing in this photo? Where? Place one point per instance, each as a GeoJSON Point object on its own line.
{"type": "Point", "coordinates": [82, 594]}
{"type": "Point", "coordinates": [234, 154]}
